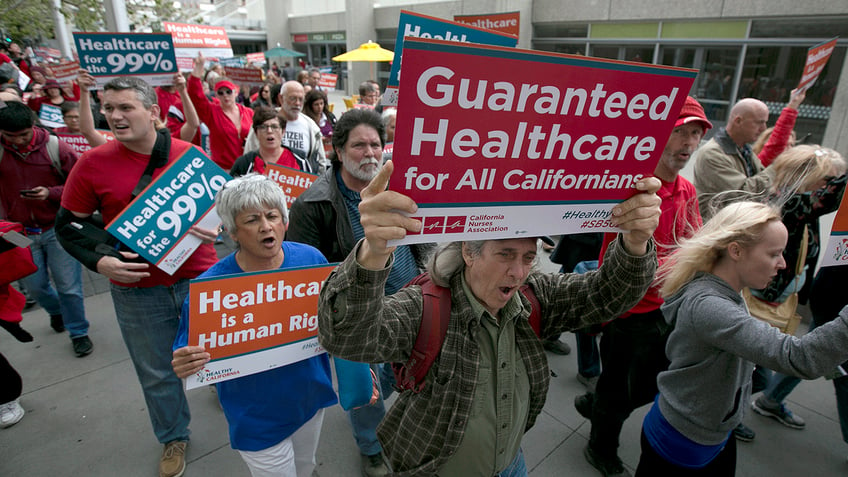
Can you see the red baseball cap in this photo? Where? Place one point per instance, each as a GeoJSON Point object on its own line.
{"type": "Point", "coordinates": [692, 111]}
{"type": "Point", "coordinates": [225, 84]}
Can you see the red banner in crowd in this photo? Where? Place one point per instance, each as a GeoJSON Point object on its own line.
{"type": "Point", "coordinates": [65, 71]}
{"type": "Point", "coordinates": [79, 143]}
{"type": "Point", "coordinates": [248, 76]}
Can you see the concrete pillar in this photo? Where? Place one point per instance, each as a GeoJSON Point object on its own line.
{"type": "Point", "coordinates": [360, 27]}
{"type": "Point", "coordinates": [836, 134]}
{"type": "Point", "coordinates": [277, 23]}
{"type": "Point", "coordinates": [116, 16]}
{"type": "Point", "coordinates": [61, 27]}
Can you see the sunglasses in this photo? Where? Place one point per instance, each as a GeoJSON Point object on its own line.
{"type": "Point", "coordinates": [222, 92]}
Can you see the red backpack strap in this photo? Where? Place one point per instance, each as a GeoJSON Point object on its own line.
{"type": "Point", "coordinates": [432, 330]}
{"type": "Point", "coordinates": [535, 317]}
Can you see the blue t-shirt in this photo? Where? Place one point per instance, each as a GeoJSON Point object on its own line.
{"type": "Point", "coordinates": [263, 409]}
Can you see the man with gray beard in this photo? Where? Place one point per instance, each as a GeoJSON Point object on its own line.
{"type": "Point", "coordinates": [326, 216]}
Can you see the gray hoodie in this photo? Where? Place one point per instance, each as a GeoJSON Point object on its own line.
{"type": "Point", "coordinates": [713, 348]}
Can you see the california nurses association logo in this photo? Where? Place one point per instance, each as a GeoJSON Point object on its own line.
{"type": "Point", "coordinates": [451, 224]}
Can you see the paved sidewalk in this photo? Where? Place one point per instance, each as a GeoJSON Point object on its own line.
{"type": "Point", "coordinates": [86, 417]}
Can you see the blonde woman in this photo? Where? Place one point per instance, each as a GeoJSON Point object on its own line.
{"type": "Point", "coordinates": [808, 182]}
{"type": "Point", "coordinates": [715, 342]}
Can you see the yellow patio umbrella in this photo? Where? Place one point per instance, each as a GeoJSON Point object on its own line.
{"type": "Point", "coordinates": [370, 52]}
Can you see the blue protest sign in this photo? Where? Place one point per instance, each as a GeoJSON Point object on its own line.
{"type": "Point", "coordinates": [111, 55]}
{"type": "Point", "coordinates": [237, 61]}
{"type": "Point", "coordinates": [156, 223]}
{"type": "Point", "coordinates": [424, 26]}
{"type": "Point", "coordinates": [51, 115]}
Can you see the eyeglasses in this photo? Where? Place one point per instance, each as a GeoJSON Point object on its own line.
{"type": "Point", "coordinates": [222, 92]}
{"type": "Point", "coordinates": [268, 127]}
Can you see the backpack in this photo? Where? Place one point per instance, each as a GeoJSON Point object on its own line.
{"type": "Point", "coordinates": [433, 328]}
{"type": "Point", "coordinates": [52, 151]}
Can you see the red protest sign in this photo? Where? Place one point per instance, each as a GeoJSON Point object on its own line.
{"type": "Point", "coordinates": [503, 22]}
{"type": "Point", "coordinates": [505, 154]}
{"type": "Point", "coordinates": [249, 76]}
{"type": "Point", "coordinates": [79, 143]}
{"type": "Point", "coordinates": [328, 80]}
{"type": "Point", "coordinates": [65, 71]}
{"type": "Point", "coordinates": [817, 57]}
{"type": "Point", "coordinates": [256, 58]}
{"type": "Point", "coordinates": [190, 39]}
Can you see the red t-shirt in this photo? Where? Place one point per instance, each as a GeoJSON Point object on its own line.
{"type": "Point", "coordinates": [104, 179]}
{"type": "Point", "coordinates": [679, 219]}
{"type": "Point", "coordinates": [286, 159]}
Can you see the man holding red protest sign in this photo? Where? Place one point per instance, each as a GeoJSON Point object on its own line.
{"type": "Point", "coordinates": [633, 345]}
{"type": "Point", "coordinates": [465, 422]}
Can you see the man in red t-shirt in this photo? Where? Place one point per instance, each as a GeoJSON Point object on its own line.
{"type": "Point", "coordinates": [633, 346]}
{"type": "Point", "coordinates": [147, 300]}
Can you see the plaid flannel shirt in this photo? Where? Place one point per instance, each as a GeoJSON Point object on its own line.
{"type": "Point", "coordinates": [421, 431]}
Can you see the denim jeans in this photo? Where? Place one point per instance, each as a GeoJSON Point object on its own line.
{"type": "Point", "coordinates": [66, 299]}
{"type": "Point", "coordinates": [588, 354]}
{"type": "Point", "coordinates": [148, 318]}
{"type": "Point", "coordinates": [516, 468]}
{"type": "Point", "coordinates": [365, 419]}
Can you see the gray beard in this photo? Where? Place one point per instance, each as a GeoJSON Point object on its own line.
{"type": "Point", "coordinates": [355, 171]}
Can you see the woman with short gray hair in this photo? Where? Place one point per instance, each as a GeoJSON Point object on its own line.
{"type": "Point", "coordinates": [275, 416]}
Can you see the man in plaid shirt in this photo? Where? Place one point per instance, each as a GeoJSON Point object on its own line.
{"type": "Point", "coordinates": [489, 383]}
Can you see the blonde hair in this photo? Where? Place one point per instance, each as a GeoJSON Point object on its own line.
{"type": "Point", "coordinates": [799, 168]}
{"type": "Point", "coordinates": [740, 222]}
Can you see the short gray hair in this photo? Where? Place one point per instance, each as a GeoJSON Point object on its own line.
{"type": "Point", "coordinates": [146, 94]}
{"type": "Point", "coordinates": [387, 114]}
{"type": "Point", "coordinates": [250, 191]}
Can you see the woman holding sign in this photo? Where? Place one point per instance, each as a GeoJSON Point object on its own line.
{"type": "Point", "coordinates": [715, 342]}
{"type": "Point", "coordinates": [52, 96]}
{"type": "Point", "coordinates": [275, 416]}
{"type": "Point", "coordinates": [269, 128]}
{"type": "Point", "coordinates": [228, 122]}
